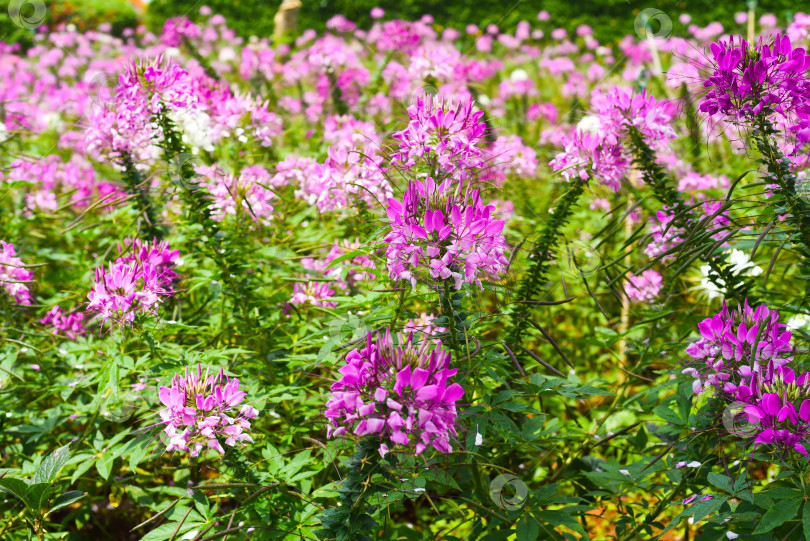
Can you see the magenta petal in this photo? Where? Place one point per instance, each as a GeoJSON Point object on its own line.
{"type": "Point", "coordinates": [754, 414]}
{"type": "Point", "coordinates": [771, 403]}
{"type": "Point", "coordinates": [426, 393]}
{"type": "Point", "coordinates": [453, 393]}
{"type": "Point", "coordinates": [403, 380]}
{"type": "Point", "coordinates": [804, 410]}
{"type": "Point", "coordinates": [418, 378]}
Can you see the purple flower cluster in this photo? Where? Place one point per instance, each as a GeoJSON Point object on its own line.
{"type": "Point", "coordinates": [778, 406]}
{"type": "Point", "coordinates": [744, 356]}
{"type": "Point", "coordinates": [644, 287]}
{"type": "Point", "coordinates": [443, 232]}
{"type": "Point", "coordinates": [598, 150]}
{"type": "Point", "coordinates": [125, 127]}
{"type": "Point", "coordinates": [398, 392]}
{"type": "Point", "coordinates": [441, 140]}
{"type": "Point", "coordinates": [156, 254]}
{"type": "Point", "coordinates": [13, 274]}
{"type": "Point", "coordinates": [314, 293]}
{"type": "Point", "coordinates": [735, 345]}
{"type": "Point", "coordinates": [201, 412]}
{"type": "Point", "coordinates": [134, 284]}
{"type": "Point", "coordinates": [764, 78]}
{"type": "Point", "coordinates": [63, 323]}
{"type": "Point", "coordinates": [49, 178]}
{"type": "Point", "coordinates": [234, 195]}
{"type": "Point", "coordinates": [507, 157]}
{"type": "Point", "coordinates": [666, 235]}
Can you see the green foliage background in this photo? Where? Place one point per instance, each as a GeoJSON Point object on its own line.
{"type": "Point", "coordinates": [610, 19]}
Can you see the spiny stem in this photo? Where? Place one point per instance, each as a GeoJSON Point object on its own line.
{"type": "Point", "coordinates": [542, 254]}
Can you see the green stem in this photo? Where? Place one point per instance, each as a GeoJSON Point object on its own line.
{"type": "Point", "coordinates": [684, 218]}
{"type": "Point", "coordinates": [352, 519]}
{"type": "Point", "coordinates": [136, 185]}
{"type": "Point", "coordinates": [542, 255]}
{"type": "Point", "coordinates": [449, 313]}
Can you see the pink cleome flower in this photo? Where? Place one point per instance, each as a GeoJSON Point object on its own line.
{"type": "Point", "coordinates": [441, 232]}
{"type": "Point", "coordinates": [644, 287]}
{"type": "Point", "coordinates": [777, 407]}
{"type": "Point", "coordinates": [736, 344]}
{"type": "Point", "coordinates": [314, 293]}
{"type": "Point", "coordinates": [441, 139]}
{"type": "Point", "coordinates": [13, 274]}
{"type": "Point", "coordinates": [135, 284]}
{"type": "Point", "coordinates": [768, 78]}
{"type": "Point", "coordinates": [68, 324]}
{"type": "Point", "coordinates": [201, 412]}
{"type": "Point", "coordinates": [397, 392]}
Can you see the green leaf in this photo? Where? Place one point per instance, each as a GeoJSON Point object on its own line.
{"type": "Point", "coordinates": [104, 465]}
{"type": "Point", "coordinates": [778, 515]}
{"type": "Point", "coordinates": [81, 468]}
{"type": "Point", "coordinates": [51, 465]}
{"type": "Point", "coordinates": [18, 487]}
{"type": "Point", "coordinates": [559, 518]}
{"type": "Point", "coordinates": [139, 447]}
{"type": "Point", "coordinates": [806, 520]}
{"type": "Point", "coordinates": [38, 495]}
{"type": "Point", "coordinates": [701, 510]}
{"type": "Point", "coordinates": [527, 529]}
{"type": "Point", "coordinates": [344, 257]}
{"type": "Point", "coordinates": [165, 531]}
{"type": "Point", "coordinates": [65, 499]}
{"type": "Point", "coordinates": [721, 481]}
{"type": "Point", "coordinates": [668, 415]}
